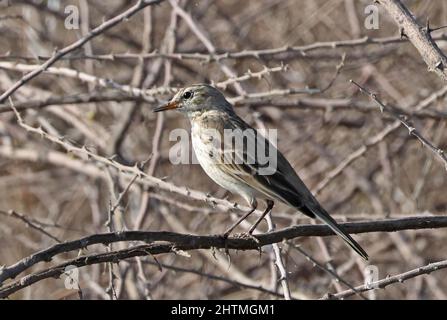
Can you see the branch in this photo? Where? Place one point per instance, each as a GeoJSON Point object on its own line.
{"type": "Point", "coordinates": [278, 260]}
{"type": "Point", "coordinates": [147, 95]}
{"type": "Point", "coordinates": [390, 280]}
{"type": "Point", "coordinates": [193, 242]}
{"type": "Point", "coordinates": [75, 45]}
{"type": "Point", "coordinates": [329, 271]}
{"type": "Point", "coordinates": [373, 141]}
{"type": "Point", "coordinates": [211, 276]}
{"type": "Point", "coordinates": [90, 97]}
{"type": "Point", "coordinates": [420, 37]}
{"type": "Point", "coordinates": [280, 53]}
{"type": "Point", "coordinates": [304, 103]}
{"type": "Point", "coordinates": [29, 223]}
{"type": "Point", "coordinates": [402, 119]}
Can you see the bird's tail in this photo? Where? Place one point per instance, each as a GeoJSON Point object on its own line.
{"type": "Point", "coordinates": [322, 215]}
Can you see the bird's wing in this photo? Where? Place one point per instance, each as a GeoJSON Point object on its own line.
{"type": "Point", "coordinates": [279, 181]}
{"type": "Point", "coordinates": [282, 184]}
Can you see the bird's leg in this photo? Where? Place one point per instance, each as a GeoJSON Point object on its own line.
{"type": "Point", "coordinates": [254, 205]}
{"type": "Point", "coordinates": [270, 204]}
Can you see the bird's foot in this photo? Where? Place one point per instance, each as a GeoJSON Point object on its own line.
{"type": "Point", "coordinates": [249, 236]}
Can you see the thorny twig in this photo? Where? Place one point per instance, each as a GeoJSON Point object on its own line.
{"type": "Point", "coordinates": [402, 119]}
{"type": "Point", "coordinates": [399, 278]}
{"type": "Point", "coordinates": [29, 223]}
{"type": "Point", "coordinates": [93, 33]}
{"type": "Point", "coordinates": [373, 141]}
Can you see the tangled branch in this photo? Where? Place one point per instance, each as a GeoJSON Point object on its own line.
{"type": "Point", "coordinates": [92, 34]}
{"type": "Point", "coordinates": [173, 242]}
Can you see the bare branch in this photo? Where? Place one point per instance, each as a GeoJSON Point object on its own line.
{"type": "Point", "coordinates": [412, 130]}
{"type": "Point", "coordinates": [29, 223]}
{"type": "Point", "coordinates": [93, 33]}
{"type": "Point", "coordinates": [280, 53]}
{"type": "Point", "coordinates": [419, 37]}
{"type": "Point", "coordinates": [192, 242]}
{"type": "Point", "coordinates": [399, 278]}
{"type": "Point", "coordinates": [373, 141]}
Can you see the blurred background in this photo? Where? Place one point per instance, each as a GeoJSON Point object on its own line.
{"type": "Point", "coordinates": [286, 64]}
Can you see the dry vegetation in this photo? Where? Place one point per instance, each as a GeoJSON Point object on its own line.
{"type": "Point", "coordinates": [95, 104]}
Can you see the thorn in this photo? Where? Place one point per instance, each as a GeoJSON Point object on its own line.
{"type": "Point", "coordinates": [160, 267]}
{"type": "Point", "coordinates": [402, 33]}
{"type": "Point", "coordinates": [427, 26]}
{"type": "Point", "coordinates": [282, 278]}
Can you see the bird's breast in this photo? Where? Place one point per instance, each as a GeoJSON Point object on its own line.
{"type": "Point", "coordinates": [208, 152]}
{"type": "Point", "coordinates": [210, 149]}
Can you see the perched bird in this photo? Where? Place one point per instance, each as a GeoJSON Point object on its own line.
{"type": "Point", "coordinates": [237, 168]}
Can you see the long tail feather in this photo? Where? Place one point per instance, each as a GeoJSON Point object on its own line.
{"type": "Point", "coordinates": [322, 215]}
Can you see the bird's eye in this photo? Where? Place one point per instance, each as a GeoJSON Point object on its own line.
{"type": "Point", "coordinates": [187, 95]}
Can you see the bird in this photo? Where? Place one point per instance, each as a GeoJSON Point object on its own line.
{"type": "Point", "coordinates": [237, 168]}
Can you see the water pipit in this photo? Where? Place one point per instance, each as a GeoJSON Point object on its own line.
{"type": "Point", "coordinates": [241, 168]}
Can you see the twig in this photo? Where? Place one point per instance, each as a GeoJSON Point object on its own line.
{"type": "Point", "coordinates": [146, 95]}
{"type": "Point", "coordinates": [79, 98]}
{"type": "Point", "coordinates": [29, 223]}
{"type": "Point", "coordinates": [211, 276]}
{"type": "Point", "coordinates": [278, 261]}
{"type": "Point", "coordinates": [250, 75]}
{"type": "Point", "coordinates": [93, 33]}
{"type": "Point", "coordinates": [412, 130]}
{"type": "Point", "coordinates": [168, 46]}
{"type": "Point", "coordinates": [194, 27]}
{"type": "Point", "coordinates": [122, 194]}
{"type": "Point", "coordinates": [149, 95]}
{"type": "Point", "coordinates": [338, 69]}
{"type": "Point", "coordinates": [332, 273]}
{"type": "Point", "coordinates": [399, 278]}
{"type": "Point", "coordinates": [419, 37]}
{"type": "Point", "coordinates": [304, 103]}
{"type": "Point", "coordinates": [373, 141]}
{"type": "Point", "coordinates": [280, 53]}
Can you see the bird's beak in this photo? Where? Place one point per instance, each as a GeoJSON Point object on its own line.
{"type": "Point", "coordinates": [169, 106]}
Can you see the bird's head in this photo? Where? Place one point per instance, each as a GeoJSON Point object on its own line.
{"type": "Point", "coordinates": [196, 99]}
